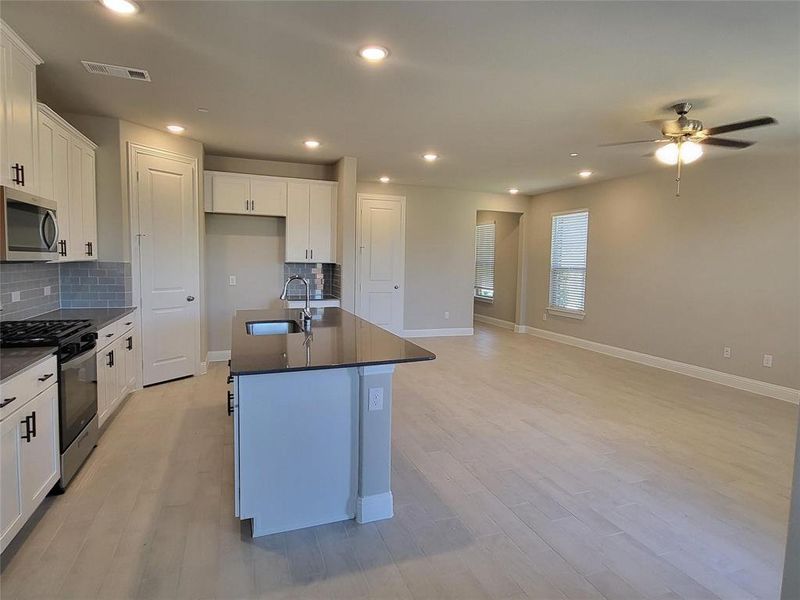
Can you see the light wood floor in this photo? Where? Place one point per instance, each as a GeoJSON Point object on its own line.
{"type": "Point", "coordinates": [522, 469]}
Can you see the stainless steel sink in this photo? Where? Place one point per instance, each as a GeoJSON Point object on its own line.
{"type": "Point", "coordinates": [272, 327]}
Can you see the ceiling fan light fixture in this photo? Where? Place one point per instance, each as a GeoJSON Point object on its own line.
{"type": "Point", "coordinates": [687, 151]}
{"type": "Point", "coordinates": [668, 154]}
{"type": "Point", "coordinates": [690, 152]}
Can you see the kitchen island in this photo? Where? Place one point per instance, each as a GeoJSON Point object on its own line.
{"type": "Point", "coordinates": [312, 417]}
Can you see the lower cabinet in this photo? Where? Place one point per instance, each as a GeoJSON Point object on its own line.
{"type": "Point", "coordinates": [30, 460]}
{"type": "Point", "coordinates": [117, 372]}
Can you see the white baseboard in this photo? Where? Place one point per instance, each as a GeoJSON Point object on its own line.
{"type": "Point", "coordinates": [218, 355]}
{"type": "Point", "coordinates": [375, 508]}
{"type": "Point", "coordinates": [496, 322]}
{"type": "Point", "coordinates": [755, 386]}
{"type": "Point", "coordinates": [415, 333]}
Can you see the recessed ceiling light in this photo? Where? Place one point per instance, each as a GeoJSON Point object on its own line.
{"type": "Point", "coordinates": [385, 179]}
{"type": "Point", "coordinates": [573, 154]}
{"type": "Point", "coordinates": [513, 191]}
{"type": "Point", "coordinates": [202, 109]}
{"type": "Point", "coordinates": [373, 53]}
{"type": "Point", "coordinates": [175, 128]}
{"type": "Point", "coordinates": [430, 156]}
{"type": "Point", "coordinates": [585, 174]}
{"type": "Point", "coordinates": [311, 144]}
{"type": "Point", "coordinates": [123, 7]}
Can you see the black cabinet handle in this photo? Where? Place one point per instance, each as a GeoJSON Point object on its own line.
{"type": "Point", "coordinates": [16, 179]}
{"type": "Point", "coordinates": [45, 377]}
{"type": "Point", "coordinates": [230, 403]}
{"type": "Point", "coordinates": [110, 356]}
{"type": "Point", "coordinates": [89, 249]}
{"type": "Point", "coordinates": [109, 335]}
{"type": "Point", "coordinates": [22, 174]}
{"type": "Point", "coordinates": [33, 423]}
{"type": "Point", "coordinates": [130, 342]}
{"type": "Point", "coordinates": [128, 323]}
{"type": "Point", "coordinates": [230, 378]}
{"type": "Point", "coordinates": [62, 244]}
{"type": "Point", "coordinates": [27, 435]}
{"type": "Point", "coordinates": [7, 401]}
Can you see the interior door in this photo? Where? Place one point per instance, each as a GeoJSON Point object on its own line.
{"type": "Point", "coordinates": [230, 193]}
{"type": "Point", "coordinates": [169, 264]}
{"type": "Point", "coordinates": [381, 261]}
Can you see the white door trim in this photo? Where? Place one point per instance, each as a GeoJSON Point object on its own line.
{"type": "Point", "coordinates": [134, 151]}
{"type": "Point", "coordinates": [360, 197]}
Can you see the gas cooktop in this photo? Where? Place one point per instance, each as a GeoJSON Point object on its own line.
{"type": "Point", "coordinates": [39, 333]}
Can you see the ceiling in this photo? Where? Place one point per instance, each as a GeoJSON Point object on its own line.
{"type": "Point", "coordinates": [502, 91]}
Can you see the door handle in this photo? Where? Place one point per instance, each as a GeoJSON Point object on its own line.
{"type": "Point", "coordinates": [230, 403]}
{"type": "Point", "coordinates": [190, 298]}
{"type": "Point", "coordinates": [397, 287]}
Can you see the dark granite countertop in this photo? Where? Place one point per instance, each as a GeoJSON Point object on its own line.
{"type": "Point", "coordinates": [338, 339]}
{"type": "Point", "coordinates": [100, 317]}
{"type": "Point", "coordinates": [14, 360]}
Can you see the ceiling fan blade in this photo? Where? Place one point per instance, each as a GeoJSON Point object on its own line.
{"type": "Point", "coordinates": [759, 122]}
{"type": "Point", "coordinates": [633, 142]}
{"type": "Point", "coordinates": [711, 141]}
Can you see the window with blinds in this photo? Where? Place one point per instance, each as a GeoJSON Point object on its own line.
{"type": "Point", "coordinates": [568, 262]}
{"type": "Point", "coordinates": [484, 261]}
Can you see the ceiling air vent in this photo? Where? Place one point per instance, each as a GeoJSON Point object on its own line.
{"type": "Point", "coordinates": [116, 71]}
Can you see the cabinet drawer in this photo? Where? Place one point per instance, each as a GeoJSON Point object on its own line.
{"type": "Point", "coordinates": [24, 386]}
{"type": "Point", "coordinates": [107, 334]}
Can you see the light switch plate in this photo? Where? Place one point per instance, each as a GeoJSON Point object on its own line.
{"type": "Point", "coordinates": [15, 296]}
{"type": "Point", "coordinates": [376, 398]}
{"type": "Point", "coordinates": [726, 352]}
{"type": "Point", "coordinates": [48, 290]}
{"type": "Point", "coordinates": [767, 362]}
{"type": "Point", "coordinates": [232, 280]}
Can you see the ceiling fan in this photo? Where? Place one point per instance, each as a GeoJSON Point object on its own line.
{"type": "Point", "coordinates": [683, 138]}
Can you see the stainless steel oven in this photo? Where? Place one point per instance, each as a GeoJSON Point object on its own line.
{"type": "Point", "coordinates": [78, 402]}
{"type": "Point", "coordinates": [28, 227]}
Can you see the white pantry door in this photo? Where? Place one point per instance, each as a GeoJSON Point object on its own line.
{"type": "Point", "coordinates": [381, 245]}
{"type": "Point", "coordinates": [169, 267]}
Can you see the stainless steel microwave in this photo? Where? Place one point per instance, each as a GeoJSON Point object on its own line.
{"type": "Point", "coordinates": [28, 227]}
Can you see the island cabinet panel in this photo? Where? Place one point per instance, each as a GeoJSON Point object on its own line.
{"type": "Point", "coordinates": [298, 448]}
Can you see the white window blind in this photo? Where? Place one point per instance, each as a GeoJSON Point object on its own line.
{"type": "Point", "coordinates": [568, 261]}
{"type": "Point", "coordinates": [484, 261]}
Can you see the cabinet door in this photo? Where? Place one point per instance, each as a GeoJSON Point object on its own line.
{"type": "Point", "coordinates": [120, 370]}
{"type": "Point", "coordinates": [40, 457]}
{"type": "Point", "coordinates": [131, 350]}
{"type": "Point", "coordinates": [322, 223]}
{"type": "Point", "coordinates": [21, 117]}
{"type": "Point", "coordinates": [10, 484]}
{"type": "Point", "coordinates": [47, 136]}
{"type": "Point", "coordinates": [88, 204]}
{"type": "Point", "coordinates": [297, 215]}
{"type": "Point", "coordinates": [230, 193]}
{"type": "Point", "coordinates": [76, 248]}
{"type": "Point", "coordinates": [54, 175]}
{"type": "Point", "coordinates": [267, 197]}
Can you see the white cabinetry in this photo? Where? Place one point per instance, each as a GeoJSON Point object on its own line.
{"type": "Point", "coordinates": [239, 194]}
{"type": "Point", "coordinates": [118, 365]}
{"type": "Point", "coordinates": [311, 222]}
{"type": "Point", "coordinates": [29, 445]}
{"type": "Point", "coordinates": [67, 176]}
{"type": "Point", "coordinates": [18, 122]}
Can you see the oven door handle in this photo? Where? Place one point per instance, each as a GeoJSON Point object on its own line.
{"type": "Point", "coordinates": [79, 358]}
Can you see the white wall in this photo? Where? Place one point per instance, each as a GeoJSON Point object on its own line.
{"type": "Point", "coordinates": [440, 250]}
{"type": "Point", "coordinates": [682, 277]}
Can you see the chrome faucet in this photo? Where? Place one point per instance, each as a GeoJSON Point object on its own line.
{"type": "Point", "coordinates": [305, 314]}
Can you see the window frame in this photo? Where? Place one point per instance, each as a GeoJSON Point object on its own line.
{"type": "Point", "coordinates": [475, 296]}
{"type": "Point", "coordinates": [561, 311]}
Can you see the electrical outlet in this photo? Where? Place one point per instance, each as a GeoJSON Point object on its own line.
{"type": "Point", "coordinates": [48, 290]}
{"type": "Point", "coordinates": [15, 296]}
{"type": "Point", "coordinates": [726, 352]}
{"type": "Point", "coordinates": [544, 316]}
{"type": "Point", "coordinates": [767, 362]}
{"type": "Point", "coordinates": [232, 280]}
{"type": "Point", "coordinates": [447, 314]}
{"type": "Point", "coordinates": [376, 398]}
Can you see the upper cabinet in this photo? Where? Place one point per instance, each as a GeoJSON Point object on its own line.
{"type": "Point", "coordinates": [238, 194]}
{"type": "Point", "coordinates": [66, 161]}
{"type": "Point", "coordinates": [18, 117]}
{"type": "Point", "coordinates": [308, 205]}
{"type": "Point", "coordinates": [311, 222]}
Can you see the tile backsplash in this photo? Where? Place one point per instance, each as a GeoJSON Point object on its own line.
{"type": "Point", "coordinates": [70, 285]}
{"type": "Point", "coordinates": [28, 289]}
{"type": "Point", "coordinates": [324, 279]}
